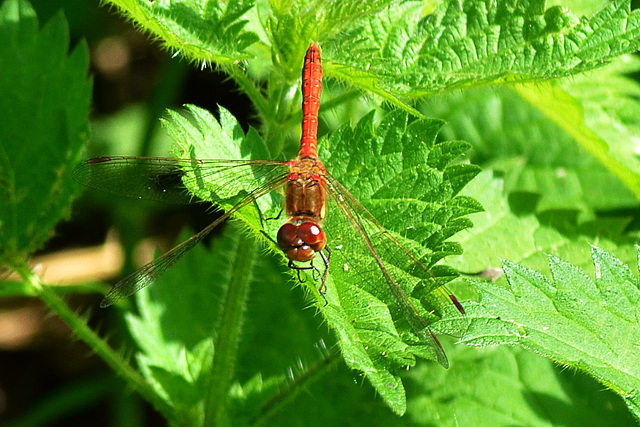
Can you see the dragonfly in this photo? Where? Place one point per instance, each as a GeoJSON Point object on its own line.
{"type": "Point", "coordinates": [307, 188]}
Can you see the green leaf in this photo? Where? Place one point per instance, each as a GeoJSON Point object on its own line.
{"type": "Point", "coordinates": [398, 51]}
{"type": "Point", "coordinates": [512, 137]}
{"type": "Point", "coordinates": [45, 107]}
{"type": "Point", "coordinates": [462, 43]}
{"type": "Point", "coordinates": [412, 53]}
{"type": "Point", "coordinates": [496, 233]}
{"type": "Point", "coordinates": [407, 180]}
{"type": "Point", "coordinates": [574, 320]}
{"type": "Point", "coordinates": [609, 102]}
{"type": "Point", "coordinates": [211, 33]}
{"type": "Point", "coordinates": [580, 7]}
{"type": "Point", "coordinates": [319, 20]}
{"type": "Point", "coordinates": [516, 232]}
{"type": "Point", "coordinates": [565, 111]}
{"type": "Point", "coordinates": [208, 138]}
{"type": "Point", "coordinates": [507, 386]}
{"type": "Point", "coordinates": [292, 343]}
{"type": "Point", "coordinates": [182, 319]}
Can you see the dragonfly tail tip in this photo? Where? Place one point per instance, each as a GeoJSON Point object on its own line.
{"type": "Point", "coordinates": [455, 302]}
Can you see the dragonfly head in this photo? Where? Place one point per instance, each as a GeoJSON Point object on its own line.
{"type": "Point", "coordinates": [300, 238]}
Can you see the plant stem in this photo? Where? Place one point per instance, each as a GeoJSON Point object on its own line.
{"type": "Point", "coordinates": [250, 89]}
{"type": "Point", "coordinates": [294, 387]}
{"type": "Point", "coordinates": [79, 326]}
{"type": "Point", "coordinates": [231, 318]}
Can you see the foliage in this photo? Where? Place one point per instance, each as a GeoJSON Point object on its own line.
{"type": "Point", "coordinates": [509, 386]}
{"type": "Point", "coordinates": [574, 320]}
{"type": "Point", "coordinates": [215, 336]}
{"type": "Point", "coordinates": [44, 113]}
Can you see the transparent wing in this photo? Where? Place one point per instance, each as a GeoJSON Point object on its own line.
{"type": "Point", "coordinates": [151, 271]}
{"type": "Point", "coordinates": [365, 251]}
{"type": "Point", "coordinates": [167, 179]}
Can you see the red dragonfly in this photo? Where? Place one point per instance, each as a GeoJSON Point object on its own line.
{"type": "Point", "coordinates": [301, 237]}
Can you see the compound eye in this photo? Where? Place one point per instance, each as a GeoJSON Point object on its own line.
{"type": "Point", "coordinates": [312, 235]}
{"type": "Point", "coordinates": [288, 237]}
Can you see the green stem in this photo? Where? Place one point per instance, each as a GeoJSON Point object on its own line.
{"type": "Point", "coordinates": [294, 387]}
{"type": "Point", "coordinates": [231, 318]}
{"type": "Point", "coordinates": [250, 89]}
{"type": "Point", "coordinates": [97, 344]}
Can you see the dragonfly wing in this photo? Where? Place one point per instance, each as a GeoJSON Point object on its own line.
{"type": "Point", "coordinates": [151, 271]}
{"type": "Point", "coordinates": [377, 257]}
{"type": "Point", "coordinates": [175, 180]}
{"type": "Point", "coordinates": [389, 246]}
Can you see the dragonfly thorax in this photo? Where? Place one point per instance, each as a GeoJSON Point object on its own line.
{"type": "Point", "coordinates": [305, 192]}
{"type": "Point", "coordinates": [300, 238]}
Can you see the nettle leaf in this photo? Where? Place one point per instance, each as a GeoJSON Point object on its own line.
{"type": "Point", "coordinates": [508, 386]}
{"type": "Point", "coordinates": [310, 21]}
{"type": "Point", "coordinates": [497, 232]}
{"type": "Point", "coordinates": [511, 228]}
{"type": "Point", "coordinates": [394, 168]}
{"type": "Point", "coordinates": [410, 184]}
{"type": "Point", "coordinates": [573, 319]}
{"type": "Point", "coordinates": [330, 17]}
{"type": "Point", "coordinates": [566, 111]}
{"type": "Point", "coordinates": [206, 32]}
{"type": "Point", "coordinates": [621, 89]}
{"type": "Point", "coordinates": [198, 135]}
{"type": "Point", "coordinates": [608, 99]}
{"type": "Point", "coordinates": [181, 324]}
{"type": "Point", "coordinates": [561, 175]}
{"type": "Point", "coordinates": [397, 50]}
{"type": "Point", "coordinates": [512, 136]}
{"type": "Point", "coordinates": [409, 53]}
{"type": "Point", "coordinates": [45, 107]}
{"type": "Point", "coordinates": [178, 322]}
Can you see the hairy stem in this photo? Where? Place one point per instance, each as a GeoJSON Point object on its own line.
{"type": "Point", "coordinates": [231, 318]}
{"type": "Point", "coordinates": [79, 326]}
{"type": "Point", "coordinates": [296, 385]}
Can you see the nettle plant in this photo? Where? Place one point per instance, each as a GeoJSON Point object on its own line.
{"type": "Point", "coordinates": [452, 123]}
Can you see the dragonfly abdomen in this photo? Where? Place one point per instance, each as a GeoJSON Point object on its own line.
{"type": "Point", "coordinates": [311, 89]}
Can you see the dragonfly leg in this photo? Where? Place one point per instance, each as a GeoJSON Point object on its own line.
{"type": "Point", "coordinates": [298, 268]}
{"type": "Point", "coordinates": [265, 234]}
{"type": "Point", "coordinates": [275, 217]}
{"type": "Point", "coordinates": [315, 274]}
{"type": "Point", "coordinates": [301, 279]}
{"type": "Point", "coordinates": [326, 259]}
